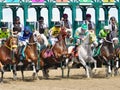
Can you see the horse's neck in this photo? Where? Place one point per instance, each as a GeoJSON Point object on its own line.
{"type": "Point", "coordinates": [86, 41]}
{"type": "Point", "coordinates": [31, 39]}
{"type": "Point", "coordinates": [32, 42]}
{"type": "Point", "coordinates": [60, 44]}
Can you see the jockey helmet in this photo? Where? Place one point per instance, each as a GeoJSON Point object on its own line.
{"type": "Point", "coordinates": [88, 15]}
{"type": "Point", "coordinates": [57, 24]}
{"type": "Point", "coordinates": [84, 26]}
{"type": "Point", "coordinates": [27, 29]}
{"type": "Point", "coordinates": [65, 15]}
{"type": "Point", "coordinates": [106, 28]}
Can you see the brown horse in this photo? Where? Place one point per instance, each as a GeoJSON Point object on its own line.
{"type": "Point", "coordinates": [7, 55]}
{"type": "Point", "coordinates": [117, 56]}
{"type": "Point", "coordinates": [31, 56]}
{"type": "Point", "coordinates": [107, 53]}
{"type": "Point", "coordinates": [59, 52]}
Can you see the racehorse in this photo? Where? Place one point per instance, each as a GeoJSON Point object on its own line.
{"type": "Point", "coordinates": [54, 57]}
{"type": "Point", "coordinates": [116, 54]}
{"type": "Point", "coordinates": [84, 56]}
{"type": "Point", "coordinates": [31, 56]}
{"type": "Point", "coordinates": [7, 55]}
{"type": "Point", "coordinates": [107, 53]}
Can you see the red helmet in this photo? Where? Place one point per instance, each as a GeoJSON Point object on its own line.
{"type": "Point", "coordinates": [65, 16]}
{"type": "Point", "coordinates": [88, 15]}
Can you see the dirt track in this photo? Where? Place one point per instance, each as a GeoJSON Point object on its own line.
{"type": "Point", "coordinates": [77, 81]}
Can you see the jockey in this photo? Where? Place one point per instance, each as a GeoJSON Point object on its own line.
{"type": "Point", "coordinates": [80, 33]}
{"type": "Point", "coordinates": [43, 28]}
{"type": "Point", "coordinates": [54, 32]}
{"type": "Point", "coordinates": [113, 26]}
{"type": "Point", "coordinates": [4, 33]}
{"type": "Point", "coordinates": [24, 40]}
{"type": "Point", "coordinates": [103, 34]}
{"type": "Point", "coordinates": [65, 22]}
{"type": "Point", "coordinates": [88, 21]}
{"type": "Point", "coordinates": [17, 27]}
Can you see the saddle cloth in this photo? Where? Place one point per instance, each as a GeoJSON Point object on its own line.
{"type": "Point", "coordinates": [48, 53]}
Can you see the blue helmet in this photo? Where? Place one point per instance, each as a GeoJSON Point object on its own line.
{"type": "Point", "coordinates": [27, 29]}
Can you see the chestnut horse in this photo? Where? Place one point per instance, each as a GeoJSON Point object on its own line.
{"type": "Point", "coordinates": [31, 56]}
{"type": "Point", "coordinates": [7, 55]}
{"type": "Point", "coordinates": [59, 53]}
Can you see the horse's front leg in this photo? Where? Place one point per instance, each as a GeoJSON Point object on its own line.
{"type": "Point", "coordinates": [2, 72]}
{"type": "Point", "coordinates": [14, 72]}
{"type": "Point", "coordinates": [85, 66]}
{"type": "Point", "coordinates": [116, 67]}
{"type": "Point", "coordinates": [34, 70]}
{"type": "Point", "coordinates": [22, 71]}
{"type": "Point", "coordinates": [109, 71]}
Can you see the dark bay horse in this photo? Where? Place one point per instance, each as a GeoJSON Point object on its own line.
{"type": "Point", "coordinates": [107, 54]}
{"type": "Point", "coordinates": [31, 56]}
{"type": "Point", "coordinates": [59, 54]}
{"type": "Point", "coordinates": [7, 55]}
{"type": "Point", "coordinates": [117, 56]}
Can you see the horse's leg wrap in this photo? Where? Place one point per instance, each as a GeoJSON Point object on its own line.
{"type": "Point", "coordinates": [109, 67]}
{"type": "Point", "coordinates": [34, 69]}
{"type": "Point", "coordinates": [14, 71]}
{"type": "Point", "coordinates": [2, 72]}
{"type": "Point", "coordinates": [117, 62]}
{"type": "Point", "coordinates": [85, 65]}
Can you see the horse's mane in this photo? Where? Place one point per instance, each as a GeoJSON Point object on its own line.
{"type": "Point", "coordinates": [85, 41]}
{"type": "Point", "coordinates": [60, 44]}
{"type": "Point", "coordinates": [31, 39]}
{"type": "Point", "coordinates": [7, 42]}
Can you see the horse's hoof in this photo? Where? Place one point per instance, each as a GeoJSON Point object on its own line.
{"type": "Point", "coordinates": [1, 81]}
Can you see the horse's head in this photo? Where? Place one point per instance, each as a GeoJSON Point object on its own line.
{"type": "Point", "coordinates": [115, 41]}
{"type": "Point", "coordinates": [37, 37]}
{"type": "Point", "coordinates": [12, 43]}
{"type": "Point", "coordinates": [31, 49]}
